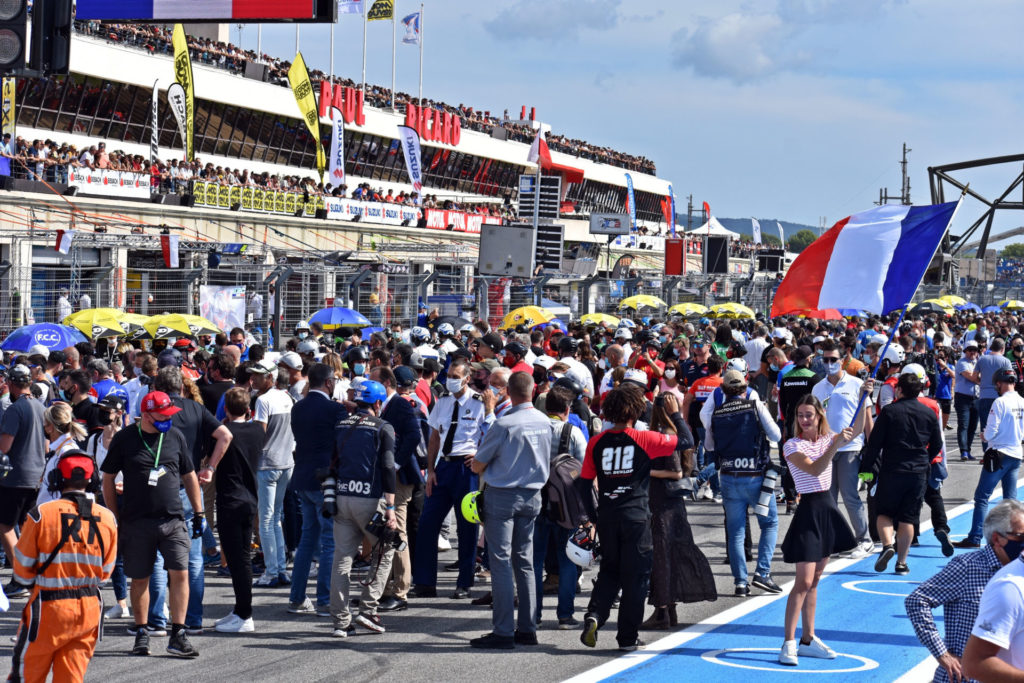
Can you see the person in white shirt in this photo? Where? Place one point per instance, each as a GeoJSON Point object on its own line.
{"type": "Point", "coordinates": [757, 344]}
{"type": "Point", "coordinates": [63, 432]}
{"type": "Point", "coordinates": [615, 357]}
{"type": "Point", "coordinates": [64, 308]}
{"type": "Point", "coordinates": [568, 347]}
{"type": "Point", "coordinates": [995, 650]}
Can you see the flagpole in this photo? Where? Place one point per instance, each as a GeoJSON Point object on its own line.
{"type": "Point", "coordinates": [394, 41]}
{"type": "Point", "coordinates": [420, 102]}
{"type": "Point", "coordinates": [330, 74]}
{"type": "Point", "coordinates": [296, 39]}
{"type": "Point", "coordinates": [364, 50]}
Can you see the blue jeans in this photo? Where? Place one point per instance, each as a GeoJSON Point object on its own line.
{"type": "Point", "coordinates": [271, 485]}
{"type": "Point", "coordinates": [966, 421]}
{"type": "Point", "coordinates": [317, 535]}
{"type": "Point", "coordinates": [157, 593]}
{"type": "Point", "coordinates": [739, 494]}
{"type": "Point", "coordinates": [987, 482]}
{"type": "Point", "coordinates": [710, 475]}
{"type": "Point", "coordinates": [454, 480]}
{"type": "Point", "coordinates": [509, 515]}
{"type": "Point", "coordinates": [984, 406]}
{"type": "Point", "coordinates": [196, 586]}
{"type": "Point", "coordinates": [544, 532]}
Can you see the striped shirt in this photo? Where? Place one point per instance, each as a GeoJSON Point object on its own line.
{"type": "Point", "coordinates": [807, 483]}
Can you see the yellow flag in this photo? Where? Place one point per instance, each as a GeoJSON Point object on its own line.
{"type": "Point", "coordinates": [7, 111]}
{"type": "Point", "coordinates": [381, 9]}
{"type": "Point", "coordinates": [298, 77]}
{"type": "Point", "coordinates": [183, 76]}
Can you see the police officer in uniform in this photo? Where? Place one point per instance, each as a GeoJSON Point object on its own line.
{"type": "Point", "coordinates": [741, 427]}
{"type": "Point", "coordinates": [363, 468]}
{"type": "Point", "coordinates": [66, 550]}
{"type": "Point", "coordinates": [458, 423]}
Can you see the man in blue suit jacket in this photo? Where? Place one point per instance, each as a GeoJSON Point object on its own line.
{"type": "Point", "coordinates": [313, 422]}
{"type": "Point", "coordinates": [401, 414]}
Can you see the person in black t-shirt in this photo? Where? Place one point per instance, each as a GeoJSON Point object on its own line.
{"type": "Point", "coordinates": [236, 504]}
{"type": "Point", "coordinates": [77, 388]}
{"type": "Point", "coordinates": [220, 371]}
{"type": "Point", "coordinates": [156, 461]}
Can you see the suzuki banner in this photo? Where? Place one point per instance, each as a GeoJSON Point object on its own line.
{"type": "Point", "coordinates": [413, 159]}
{"type": "Point", "coordinates": [106, 183]}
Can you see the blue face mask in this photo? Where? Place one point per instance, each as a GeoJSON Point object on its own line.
{"type": "Point", "coordinates": [303, 335]}
{"type": "Point", "coordinates": [358, 368]}
{"type": "Point", "coordinates": [495, 390]}
{"type": "Point", "coordinates": [774, 367]}
{"type": "Point", "coordinates": [163, 425]}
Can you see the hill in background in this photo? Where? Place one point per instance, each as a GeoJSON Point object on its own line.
{"type": "Point", "coordinates": [743, 226]}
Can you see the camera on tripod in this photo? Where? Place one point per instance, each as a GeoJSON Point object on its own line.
{"type": "Point", "coordinates": [378, 526]}
{"type": "Point", "coordinates": [329, 489]}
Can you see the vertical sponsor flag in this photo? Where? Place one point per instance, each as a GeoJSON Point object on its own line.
{"type": "Point", "coordinates": [707, 214]}
{"type": "Point", "coordinates": [412, 29]}
{"type": "Point", "coordinates": [336, 171]}
{"type": "Point", "coordinates": [539, 152]}
{"type": "Point", "coordinates": [630, 201]}
{"type": "Point", "coordinates": [350, 6]}
{"type": "Point", "coordinates": [381, 9]}
{"type": "Point", "coordinates": [756, 227]}
{"type": "Point", "coordinates": [672, 209]}
{"type": "Point", "coordinates": [413, 161]}
{"type": "Point", "coordinates": [154, 123]}
{"type": "Point", "coordinates": [64, 238]}
{"type": "Point", "coordinates": [298, 77]}
{"type": "Point", "coordinates": [169, 247]}
{"type": "Point", "coordinates": [782, 235]}
{"type": "Point", "coordinates": [8, 120]}
{"type": "Point", "coordinates": [183, 76]}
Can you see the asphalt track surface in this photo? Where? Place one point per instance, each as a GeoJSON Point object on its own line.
{"type": "Point", "coordinates": [863, 620]}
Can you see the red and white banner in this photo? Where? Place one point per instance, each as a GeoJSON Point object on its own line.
{"type": "Point", "coordinates": [64, 238]}
{"type": "Point", "coordinates": [169, 246]}
{"type": "Point", "coordinates": [440, 219]}
{"type": "Point", "coordinates": [123, 184]}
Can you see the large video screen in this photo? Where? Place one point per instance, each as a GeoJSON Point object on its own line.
{"type": "Point", "coordinates": [198, 10]}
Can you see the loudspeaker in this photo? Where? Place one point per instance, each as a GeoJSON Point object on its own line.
{"type": "Point", "coordinates": [321, 214]}
{"type": "Point", "coordinates": [716, 255]}
{"type": "Point", "coordinates": [422, 222]}
{"type": "Point", "coordinates": [255, 71]}
{"type": "Point", "coordinates": [770, 260]}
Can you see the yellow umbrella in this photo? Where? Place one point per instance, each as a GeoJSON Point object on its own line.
{"type": "Point", "coordinates": [176, 325]}
{"type": "Point", "coordinates": [528, 316]}
{"type": "Point", "coordinates": [953, 300]}
{"type": "Point", "coordinates": [96, 323]}
{"type": "Point", "coordinates": [598, 318]}
{"type": "Point", "coordinates": [688, 309]}
{"type": "Point", "coordinates": [730, 310]}
{"type": "Point", "coordinates": [640, 300]}
{"type": "Point", "coordinates": [134, 325]}
{"type": "Point", "coordinates": [1011, 304]}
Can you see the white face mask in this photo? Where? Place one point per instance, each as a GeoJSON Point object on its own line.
{"type": "Point", "coordinates": [454, 385]}
{"type": "Point", "coordinates": [670, 374]}
{"type": "Point", "coordinates": [834, 368]}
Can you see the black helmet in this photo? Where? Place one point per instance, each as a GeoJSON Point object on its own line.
{"type": "Point", "coordinates": [518, 348]}
{"type": "Point", "coordinates": [356, 354]}
{"type": "Point", "coordinates": [644, 336]}
{"type": "Point", "coordinates": [169, 357]}
{"type": "Point", "coordinates": [568, 345]}
{"type": "Point", "coordinates": [570, 384]}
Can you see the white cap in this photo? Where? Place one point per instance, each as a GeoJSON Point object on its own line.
{"type": "Point", "coordinates": [546, 362]}
{"type": "Point", "coordinates": [264, 367]}
{"type": "Point", "coordinates": [291, 359]}
{"type": "Point", "coordinates": [39, 349]}
{"type": "Point", "coordinates": [636, 376]}
{"type": "Point", "coordinates": [818, 340]}
{"type": "Point", "coordinates": [971, 344]}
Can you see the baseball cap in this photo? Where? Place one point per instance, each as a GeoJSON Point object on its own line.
{"type": "Point", "coordinates": [635, 376]}
{"type": "Point", "coordinates": [415, 361]}
{"type": "Point", "coordinates": [405, 376]}
{"type": "Point", "coordinates": [488, 364]}
{"type": "Point", "coordinates": [263, 367]}
{"type": "Point", "coordinates": [1005, 376]}
{"type": "Point", "coordinates": [73, 460]}
{"type": "Point", "coordinates": [734, 379]}
{"type": "Point", "coordinates": [545, 362]}
{"type": "Point", "coordinates": [39, 349]}
{"type": "Point", "coordinates": [19, 374]}
{"type": "Point", "coordinates": [291, 359]}
{"type": "Point", "coordinates": [801, 353]}
{"type": "Point", "coordinates": [160, 403]}
{"type": "Point", "coordinates": [112, 401]}
{"type": "Point", "coordinates": [493, 341]}
{"type": "Point", "coordinates": [971, 345]}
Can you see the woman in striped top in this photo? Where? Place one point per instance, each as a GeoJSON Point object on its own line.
{"type": "Point", "coordinates": [818, 529]}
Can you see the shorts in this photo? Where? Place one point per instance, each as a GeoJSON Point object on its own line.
{"type": "Point", "coordinates": [15, 502]}
{"type": "Point", "coordinates": [900, 496]}
{"type": "Point", "coordinates": [945, 404]}
{"type": "Point", "coordinates": [139, 539]}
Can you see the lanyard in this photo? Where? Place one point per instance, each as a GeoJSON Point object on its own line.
{"type": "Point", "coordinates": [159, 446]}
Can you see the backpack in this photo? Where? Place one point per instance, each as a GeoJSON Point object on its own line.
{"type": "Point", "coordinates": [560, 500]}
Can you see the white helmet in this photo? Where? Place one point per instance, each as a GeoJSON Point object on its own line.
{"type": "Point", "coordinates": [420, 334]}
{"type": "Point", "coordinates": [737, 364]}
{"type": "Point", "coordinates": [467, 329]}
{"type": "Point", "coordinates": [446, 329]}
{"type": "Point", "coordinates": [581, 549]}
{"type": "Point", "coordinates": [301, 325]}
{"type": "Point", "coordinates": [310, 346]}
{"type": "Point", "coordinates": [916, 370]}
{"type": "Point", "coordinates": [894, 354]}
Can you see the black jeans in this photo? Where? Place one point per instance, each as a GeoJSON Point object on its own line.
{"type": "Point", "coordinates": [412, 518]}
{"type": "Point", "coordinates": [626, 553]}
{"type": "Point", "coordinates": [234, 525]}
{"type": "Point", "coordinates": [933, 498]}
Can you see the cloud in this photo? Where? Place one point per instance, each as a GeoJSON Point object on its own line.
{"type": "Point", "coordinates": [739, 47]}
{"type": "Point", "coordinates": [553, 20]}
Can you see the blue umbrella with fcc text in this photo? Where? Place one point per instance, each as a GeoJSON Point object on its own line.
{"type": "Point", "coordinates": [50, 335]}
{"type": "Point", "coordinates": [338, 316]}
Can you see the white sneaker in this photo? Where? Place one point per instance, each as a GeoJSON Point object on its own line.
{"type": "Point", "coordinates": [816, 649]}
{"type": "Point", "coordinates": [863, 549]}
{"type": "Point", "coordinates": [705, 492]}
{"type": "Point", "coordinates": [717, 498]}
{"type": "Point", "coordinates": [443, 544]}
{"type": "Point", "coordinates": [118, 612]}
{"type": "Point", "coordinates": [226, 619]}
{"type": "Point", "coordinates": [788, 655]}
{"type": "Point", "coordinates": [235, 624]}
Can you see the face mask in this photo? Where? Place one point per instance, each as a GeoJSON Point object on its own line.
{"type": "Point", "coordinates": [675, 352]}
{"type": "Point", "coordinates": [162, 425]}
{"type": "Point", "coordinates": [670, 374]}
{"type": "Point", "coordinates": [65, 395]}
{"type": "Point", "coordinates": [104, 418]}
{"type": "Point", "coordinates": [818, 352]}
{"type": "Point", "coordinates": [834, 368]}
{"type": "Point", "coordinates": [603, 364]}
{"type": "Point", "coordinates": [866, 357]}
{"type": "Point", "coordinates": [774, 367]}
{"type": "Point", "coordinates": [303, 335]}
{"type": "Point", "coordinates": [509, 360]}
{"type": "Point", "coordinates": [358, 368]}
{"type": "Point", "coordinates": [1013, 548]}
{"type": "Point", "coordinates": [495, 390]}
{"type": "Point", "coordinates": [453, 385]}
{"type": "Point", "coordinates": [663, 340]}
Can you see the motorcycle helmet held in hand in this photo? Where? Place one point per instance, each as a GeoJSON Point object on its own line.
{"type": "Point", "coordinates": [469, 509]}
{"type": "Point", "coordinates": [581, 549]}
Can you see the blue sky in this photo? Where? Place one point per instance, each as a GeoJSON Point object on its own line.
{"type": "Point", "coordinates": [793, 109]}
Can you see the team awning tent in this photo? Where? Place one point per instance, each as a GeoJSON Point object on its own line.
{"type": "Point", "coordinates": [717, 230]}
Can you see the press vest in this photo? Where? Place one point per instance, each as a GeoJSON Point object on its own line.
{"type": "Point", "coordinates": [740, 443]}
{"type": "Point", "coordinates": [357, 444]}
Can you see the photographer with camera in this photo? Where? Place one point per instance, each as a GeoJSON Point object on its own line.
{"type": "Point", "coordinates": [359, 493]}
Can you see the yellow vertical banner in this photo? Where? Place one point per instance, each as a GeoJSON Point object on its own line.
{"type": "Point", "coordinates": [7, 111]}
{"type": "Point", "coordinates": [183, 76]}
{"type": "Point", "coordinates": [298, 77]}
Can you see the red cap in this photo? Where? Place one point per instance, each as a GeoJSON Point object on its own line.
{"type": "Point", "coordinates": [160, 403]}
{"type": "Point", "coordinates": [68, 463]}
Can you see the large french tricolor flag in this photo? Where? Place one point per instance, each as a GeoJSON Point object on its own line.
{"type": "Point", "coordinates": [872, 261]}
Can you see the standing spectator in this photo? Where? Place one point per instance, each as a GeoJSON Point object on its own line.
{"type": "Point", "coordinates": [987, 367]}
{"type": "Point", "coordinates": [291, 363]}
{"type": "Point", "coordinates": [273, 411]}
{"type": "Point", "coordinates": [64, 435]}
{"type": "Point", "coordinates": [965, 399]}
{"type": "Point", "coordinates": [313, 421]}
{"type": "Point", "coordinates": [514, 459]}
{"type": "Point", "coordinates": [64, 308]}
{"type": "Point", "coordinates": [156, 461]}
{"type": "Point", "coordinates": [22, 440]}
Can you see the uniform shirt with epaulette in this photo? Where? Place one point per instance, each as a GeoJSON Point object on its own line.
{"type": "Point", "coordinates": [471, 425]}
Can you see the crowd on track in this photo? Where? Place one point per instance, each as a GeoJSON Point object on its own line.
{"type": "Point", "coordinates": [333, 472]}
{"type": "Point", "coordinates": [157, 40]}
